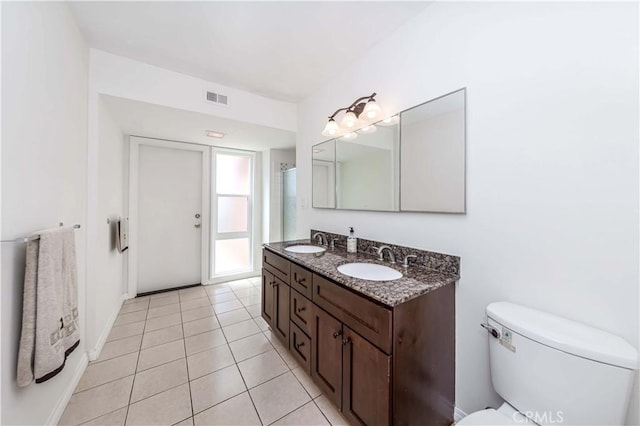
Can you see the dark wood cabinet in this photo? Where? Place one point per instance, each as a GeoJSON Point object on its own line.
{"type": "Point", "coordinates": [366, 381]}
{"type": "Point", "coordinates": [267, 296]}
{"type": "Point", "coordinates": [281, 310]}
{"type": "Point", "coordinates": [300, 346]}
{"type": "Point", "coordinates": [378, 364]}
{"type": "Point", "coordinates": [275, 304]}
{"type": "Point", "coordinates": [301, 311]}
{"type": "Point", "coordinates": [326, 355]}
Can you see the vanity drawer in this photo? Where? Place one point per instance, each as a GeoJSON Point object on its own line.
{"type": "Point", "coordinates": [278, 266]}
{"type": "Point", "coordinates": [301, 312]}
{"type": "Point", "coordinates": [300, 347]}
{"type": "Point", "coordinates": [301, 280]}
{"type": "Point", "coordinates": [370, 320]}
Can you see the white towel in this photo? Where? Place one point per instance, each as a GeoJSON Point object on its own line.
{"type": "Point", "coordinates": [50, 308]}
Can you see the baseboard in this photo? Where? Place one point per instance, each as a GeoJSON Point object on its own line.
{"type": "Point", "coordinates": [458, 414]}
{"type": "Point", "coordinates": [56, 414]}
{"type": "Point", "coordinates": [95, 352]}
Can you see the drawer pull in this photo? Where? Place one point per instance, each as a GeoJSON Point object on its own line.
{"type": "Point", "coordinates": [299, 345]}
{"type": "Point", "coordinates": [346, 341]}
{"type": "Point", "coordinates": [337, 333]}
{"type": "Point", "coordinates": [302, 309]}
{"type": "Point", "coordinates": [301, 280]}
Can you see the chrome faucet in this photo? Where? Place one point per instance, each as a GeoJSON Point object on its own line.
{"type": "Point", "coordinates": [321, 238]}
{"type": "Point", "coordinates": [381, 250]}
{"type": "Point", "coordinates": [406, 259]}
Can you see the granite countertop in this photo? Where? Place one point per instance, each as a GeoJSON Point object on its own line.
{"type": "Point", "coordinates": [415, 281]}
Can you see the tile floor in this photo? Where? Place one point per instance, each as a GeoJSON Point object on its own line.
{"type": "Point", "coordinates": [199, 356]}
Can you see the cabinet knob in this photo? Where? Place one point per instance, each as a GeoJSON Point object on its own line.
{"type": "Point", "coordinates": [275, 284]}
{"type": "Point", "coordinates": [301, 309]}
{"type": "Point", "coordinates": [299, 345]}
{"type": "Point", "coordinates": [337, 333]}
{"type": "Point", "coordinates": [346, 341]}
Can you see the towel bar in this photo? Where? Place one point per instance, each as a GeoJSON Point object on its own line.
{"type": "Point", "coordinates": [32, 237]}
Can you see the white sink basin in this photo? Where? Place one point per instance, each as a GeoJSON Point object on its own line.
{"type": "Point", "coordinates": [369, 271]}
{"type": "Point", "coordinates": [305, 249]}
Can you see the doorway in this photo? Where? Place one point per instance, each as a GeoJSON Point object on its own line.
{"type": "Point", "coordinates": [168, 214]}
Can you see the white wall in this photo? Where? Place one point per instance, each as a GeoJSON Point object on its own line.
{"type": "Point", "coordinates": [552, 161]}
{"type": "Point", "coordinates": [276, 158]}
{"type": "Point", "coordinates": [106, 277]}
{"type": "Point", "coordinates": [44, 134]}
{"type": "Point", "coordinates": [118, 76]}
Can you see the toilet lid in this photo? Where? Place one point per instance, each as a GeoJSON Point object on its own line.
{"type": "Point", "coordinates": [488, 417]}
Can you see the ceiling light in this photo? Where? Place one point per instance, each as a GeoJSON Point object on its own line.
{"type": "Point", "coordinates": [361, 112]}
{"type": "Point", "coordinates": [213, 134]}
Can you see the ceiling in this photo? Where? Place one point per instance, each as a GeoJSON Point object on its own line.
{"type": "Point", "coordinates": [154, 121]}
{"type": "Point", "coordinates": [282, 50]}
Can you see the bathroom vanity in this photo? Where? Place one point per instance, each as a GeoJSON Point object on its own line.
{"type": "Point", "coordinates": [383, 352]}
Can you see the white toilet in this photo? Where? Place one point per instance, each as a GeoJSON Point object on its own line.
{"type": "Point", "coordinates": [554, 371]}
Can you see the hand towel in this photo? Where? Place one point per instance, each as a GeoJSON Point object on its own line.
{"type": "Point", "coordinates": [50, 308]}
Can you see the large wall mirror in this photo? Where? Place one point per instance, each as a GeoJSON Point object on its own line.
{"type": "Point", "coordinates": [367, 170]}
{"type": "Point", "coordinates": [432, 155]}
{"type": "Point", "coordinates": [324, 175]}
{"type": "Point", "coordinates": [414, 161]}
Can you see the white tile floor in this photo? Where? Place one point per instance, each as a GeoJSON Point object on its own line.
{"type": "Point", "coordinates": [199, 356]}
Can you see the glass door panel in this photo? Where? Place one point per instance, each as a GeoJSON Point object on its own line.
{"type": "Point", "coordinates": [232, 237]}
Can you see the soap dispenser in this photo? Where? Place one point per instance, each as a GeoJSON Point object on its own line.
{"type": "Point", "coordinates": [352, 242]}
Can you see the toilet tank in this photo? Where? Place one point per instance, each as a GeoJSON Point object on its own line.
{"type": "Point", "coordinates": [558, 371]}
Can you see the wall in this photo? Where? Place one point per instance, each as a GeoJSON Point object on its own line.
{"type": "Point", "coordinates": [552, 161]}
{"type": "Point", "coordinates": [277, 157]}
{"type": "Point", "coordinates": [118, 76]}
{"type": "Point", "coordinates": [106, 275]}
{"type": "Point", "coordinates": [44, 134]}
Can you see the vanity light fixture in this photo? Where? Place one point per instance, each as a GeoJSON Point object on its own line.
{"type": "Point", "coordinates": [214, 134]}
{"type": "Point", "coordinates": [362, 111]}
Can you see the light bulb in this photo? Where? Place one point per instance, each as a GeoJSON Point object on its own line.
{"type": "Point", "coordinates": [371, 110]}
{"type": "Point", "coordinates": [350, 136]}
{"type": "Point", "coordinates": [368, 129]}
{"type": "Point", "coordinates": [331, 129]}
{"type": "Point", "coordinates": [389, 121]}
{"type": "Point", "coordinates": [349, 120]}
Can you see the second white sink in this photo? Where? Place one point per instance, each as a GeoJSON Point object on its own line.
{"type": "Point", "coordinates": [303, 248]}
{"type": "Point", "coordinates": [369, 271]}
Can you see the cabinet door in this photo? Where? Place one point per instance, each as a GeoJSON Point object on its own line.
{"type": "Point", "coordinates": [267, 296]}
{"type": "Point", "coordinates": [326, 355]}
{"type": "Point", "coordinates": [366, 383]}
{"type": "Point", "coordinates": [281, 319]}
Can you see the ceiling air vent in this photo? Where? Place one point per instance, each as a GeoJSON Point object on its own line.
{"type": "Point", "coordinates": [217, 98]}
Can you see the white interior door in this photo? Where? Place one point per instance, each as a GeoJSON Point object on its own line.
{"type": "Point", "coordinates": [169, 219]}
